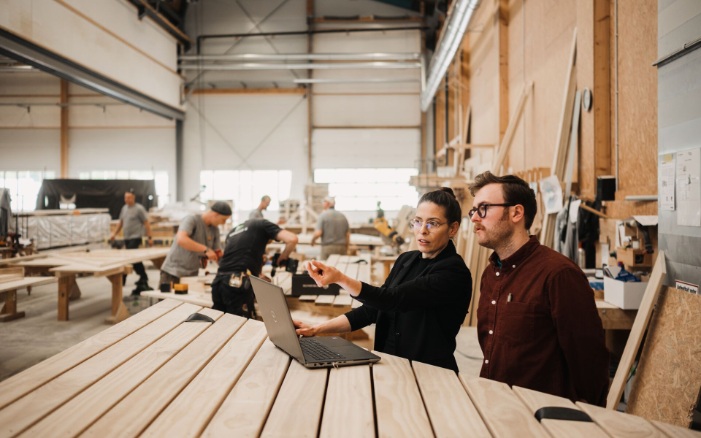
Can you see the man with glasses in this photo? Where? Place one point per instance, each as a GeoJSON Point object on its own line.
{"type": "Point", "coordinates": [537, 321]}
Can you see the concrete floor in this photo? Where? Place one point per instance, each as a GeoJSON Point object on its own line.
{"type": "Point", "coordinates": [38, 336]}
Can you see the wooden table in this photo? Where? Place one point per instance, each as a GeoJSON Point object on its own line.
{"type": "Point", "coordinates": [109, 263]}
{"type": "Point", "coordinates": [11, 280]}
{"type": "Point", "coordinates": [156, 375]}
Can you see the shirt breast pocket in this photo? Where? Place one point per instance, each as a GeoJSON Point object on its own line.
{"type": "Point", "coordinates": [517, 322]}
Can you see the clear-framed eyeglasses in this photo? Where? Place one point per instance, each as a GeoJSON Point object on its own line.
{"type": "Point", "coordinates": [417, 224]}
{"type": "Point", "coordinates": [481, 209]}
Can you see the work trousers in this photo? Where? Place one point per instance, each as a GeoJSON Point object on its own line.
{"type": "Point", "coordinates": [234, 300]}
{"type": "Point", "coordinates": [138, 267]}
{"type": "Point", "coordinates": [327, 250]}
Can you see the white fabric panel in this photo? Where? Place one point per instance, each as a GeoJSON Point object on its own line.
{"type": "Point", "coordinates": [376, 148]}
{"type": "Point", "coordinates": [368, 110]}
{"type": "Point", "coordinates": [30, 149]}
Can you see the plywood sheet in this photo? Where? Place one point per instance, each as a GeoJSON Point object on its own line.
{"type": "Point", "coordinates": [668, 380]}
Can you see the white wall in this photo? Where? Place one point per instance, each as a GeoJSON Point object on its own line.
{"type": "Point", "coordinates": [105, 36]}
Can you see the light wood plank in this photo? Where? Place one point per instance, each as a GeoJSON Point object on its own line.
{"type": "Point", "coordinates": [297, 408]}
{"type": "Point", "coordinates": [501, 409]}
{"type": "Point", "coordinates": [343, 300]}
{"type": "Point", "coordinates": [659, 272]}
{"type": "Point", "coordinates": [325, 300]}
{"type": "Point", "coordinates": [347, 409]}
{"type": "Point", "coordinates": [138, 409]}
{"type": "Point", "coordinates": [34, 406]}
{"type": "Point", "coordinates": [332, 260]}
{"type": "Point", "coordinates": [451, 411]}
{"type": "Point", "coordinates": [619, 424]}
{"type": "Point", "coordinates": [535, 400]}
{"type": "Point", "coordinates": [308, 298]}
{"type": "Point", "coordinates": [41, 373]}
{"type": "Point", "coordinates": [81, 411]}
{"type": "Point", "coordinates": [190, 412]}
{"type": "Point", "coordinates": [246, 408]}
{"type": "Point", "coordinates": [203, 299]}
{"type": "Point", "coordinates": [400, 410]}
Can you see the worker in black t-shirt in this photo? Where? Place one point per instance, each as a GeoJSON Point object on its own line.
{"type": "Point", "coordinates": [243, 256]}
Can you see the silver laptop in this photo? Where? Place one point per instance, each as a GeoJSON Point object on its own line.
{"type": "Point", "coordinates": [313, 352]}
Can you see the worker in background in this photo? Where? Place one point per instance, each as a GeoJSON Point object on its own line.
{"type": "Point", "coordinates": [133, 219]}
{"type": "Point", "coordinates": [332, 226]}
{"type": "Point", "coordinates": [537, 321]}
{"type": "Point", "coordinates": [243, 256]}
{"type": "Point", "coordinates": [197, 239]}
{"type": "Point", "coordinates": [419, 310]}
{"type": "Point", "coordinates": [258, 212]}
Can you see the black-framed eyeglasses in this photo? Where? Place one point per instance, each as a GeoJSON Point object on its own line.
{"type": "Point", "coordinates": [481, 209]}
{"type": "Point", "coordinates": [417, 224]}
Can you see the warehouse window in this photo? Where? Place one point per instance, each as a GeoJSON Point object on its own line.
{"type": "Point", "coordinates": [362, 189]}
{"type": "Point", "coordinates": [160, 180]}
{"type": "Point", "coordinates": [246, 187]}
{"type": "Point", "coordinates": [24, 187]}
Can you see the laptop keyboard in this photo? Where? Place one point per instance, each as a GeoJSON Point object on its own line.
{"type": "Point", "coordinates": [317, 351]}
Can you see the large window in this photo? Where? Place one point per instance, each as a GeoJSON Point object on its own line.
{"type": "Point", "coordinates": [160, 179]}
{"type": "Point", "coordinates": [362, 189]}
{"type": "Point", "coordinates": [24, 186]}
{"type": "Point", "coordinates": [246, 187]}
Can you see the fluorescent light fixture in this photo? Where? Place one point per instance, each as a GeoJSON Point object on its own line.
{"type": "Point", "coordinates": [450, 41]}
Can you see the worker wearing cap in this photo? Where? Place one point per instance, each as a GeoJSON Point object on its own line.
{"type": "Point", "coordinates": [197, 238]}
{"type": "Point", "coordinates": [332, 226]}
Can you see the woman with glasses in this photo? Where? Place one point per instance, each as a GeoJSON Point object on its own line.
{"type": "Point", "coordinates": [419, 309]}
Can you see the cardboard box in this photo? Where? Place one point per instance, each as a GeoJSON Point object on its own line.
{"type": "Point", "coordinates": [626, 295]}
{"type": "Point", "coordinates": [634, 257]}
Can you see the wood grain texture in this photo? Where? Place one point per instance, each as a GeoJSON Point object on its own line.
{"type": "Point", "coordinates": [41, 373]}
{"type": "Point", "coordinates": [32, 407]}
{"type": "Point", "coordinates": [659, 272]}
{"type": "Point", "coordinates": [189, 413]}
{"type": "Point", "coordinates": [451, 411]}
{"type": "Point", "coordinates": [81, 411]}
{"type": "Point", "coordinates": [346, 408]}
{"type": "Point", "coordinates": [676, 431]}
{"type": "Point", "coordinates": [297, 408]}
{"type": "Point", "coordinates": [138, 409]}
{"type": "Point", "coordinates": [246, 408]}
{"type": "Point", "coordinates": [536, 400]}
{"type": "Point", "coordinates": [400, 410]}
{"type": "Point", "coordinates": [502, 411]}
{"type": "Point", "coordinates": [620, 425]}
{"type": "Point", "coordinates": [668, 378]}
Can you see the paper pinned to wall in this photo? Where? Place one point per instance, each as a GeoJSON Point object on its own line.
{"type": "Point", "coordinates": [688, 187]}
{"type": "Point", "coordinates": [667, 182]}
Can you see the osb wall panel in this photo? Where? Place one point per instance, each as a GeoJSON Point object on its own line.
{"type": "Point", "coordinates": [540, 36]}
{"type": "Point", "coordinates": [668, 378]}
{"type": "Point", "coordinates": [484, 75]}
{"type": "Point", "coordinates": [637, 97]}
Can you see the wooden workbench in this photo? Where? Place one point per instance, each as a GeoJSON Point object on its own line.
{"type": "Point", "coordinates": [109, 263]}
{"type": "Point", "coordinates": [157, 375]}
{"type": "Point", "coordinates": [12, 280]}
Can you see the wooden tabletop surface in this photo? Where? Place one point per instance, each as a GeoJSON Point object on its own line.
{"type": "Point", "coordinates": [157, 375]}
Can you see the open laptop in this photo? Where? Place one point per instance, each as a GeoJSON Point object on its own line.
{"type": "Point", "coordinates": [313, 352]}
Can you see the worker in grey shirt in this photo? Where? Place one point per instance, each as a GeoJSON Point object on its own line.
{"type": "Point", "coordinates": [134, 221]}
{"type": "Point", "coordinates": [258, 212]}
{"type": "Point", "coordinates": [332, 226]}
{"type": "Point", "coordinates": [197, 239]}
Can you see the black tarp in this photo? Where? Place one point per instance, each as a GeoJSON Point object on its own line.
{"type": "Point", "coordinates": [96, 193]}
